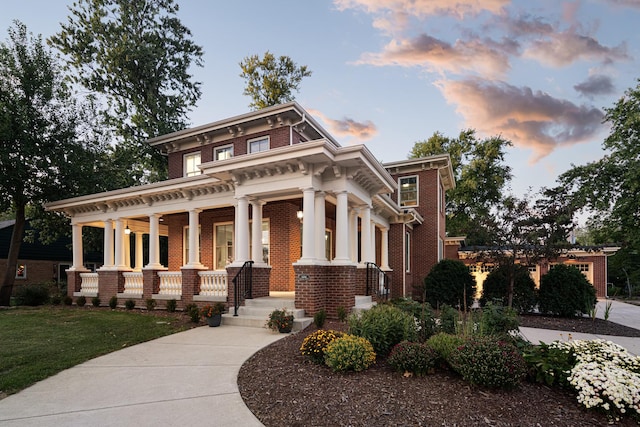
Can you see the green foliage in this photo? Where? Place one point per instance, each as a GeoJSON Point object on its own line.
{"type": "Point", "coordinates": [450, 282]}
{"type": "Point", "coordinates": [412, 357]}
{"type": "Point", "coordinates": [32, 295]}
{"type": "Point", "coordinates": [496, 286]}
{"type": "Point", "coordinates": [422, 312]}
{"type": "Point", "coordinates": [349, 353]}
{"type": "Point", "coordinates": [81, 301]}
{"type": "Point", "coordinates": [193, 312]}
{"type": "Point", "coordinates": [498, 320]}
{"type": "Point", "coordinates": [280, 320]}
{"type": "Point", "coordinates": [383, 326]}
{"type": "Point", "coordinates": [56, 299]}
{"type": "Point", "coordinates": [549, 364]}
{"type": "Point", "coordinates": [319, 318]}
{"type": "Point", "coordinates": [129, 304]}
{"type": "Point", "coordinates": [95, 301]}
{"type": "Point", "coordinates": [150, 303]}
{"type": "Point", "coordinates": [315, 344]}
{"type": "Point", "coordinates": [171, 305]}
{"type": "Point", "coordinates": [67, 300]}
{"type": "Point", "coordinates": [449, 318]}
{"type": "Point", "coordinates": [270, 81]}
{"type": "Point", "coordinates": [342, 314]}
{"type": "Point", "coordinates": [488, 362]}
{"type": "Point", "coordinates": [444, 344]}
{"type": "Point", "coordinates": [113, 302]}
{"type": "Point", "coordinates": [565, 292]}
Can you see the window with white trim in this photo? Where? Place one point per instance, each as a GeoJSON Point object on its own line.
{"type": "Point", "coordinates": [223, 153]}
{"type": "Point", "coordinates": [185, 243]}
{"type": "Point", "coordinates": [264, 239]}
{"type": "Point", "coordinates": [258, 144]}
{"type": "Point", "coordinates": [191, 163]}
{"type": "Point", "coordinates": [408, 191]}
{"type": "Point", "coordinates": [223, 245]}
{"type": "Point", "coordinates": [328, 244]}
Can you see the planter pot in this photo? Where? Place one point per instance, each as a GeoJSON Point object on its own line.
{"type": "Point", "coordinates": [214, 320]}
{"type": "Point", "coordinates": [285, 330]}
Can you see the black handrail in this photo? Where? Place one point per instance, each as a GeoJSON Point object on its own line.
{"type": "Point", "coordinates": [243, 285]}
{"type": "Point", "coordinates": [377, 281]}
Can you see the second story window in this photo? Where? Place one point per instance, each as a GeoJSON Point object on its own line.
{"type": "Point", "coordinates": [224, 152]}
{"type": "Point", "coordinates": [191, 163]}
{"type": "Point", "coordinates": [408, 191]}
{"type": "Point", "coordinates": [258, 144]}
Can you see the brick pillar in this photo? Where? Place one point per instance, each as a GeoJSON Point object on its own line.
{"type": "Point", "coordinates": [190, 285]}
{"type": "Point", "coordinates": [110, 283]}
{"type": "Point", "coordinates": [231, 273]}
{"type": "Point", "coordinates": [341, 288]}
{"type": "Point", "coordinates": [74, 282]}
{"type": "Point", "coordinates": [150, 283]}
{"type": "Point", "coordinates": [261, 277]}
{"type": "Point", "coordinates": [361, 280]}
{"type": "Point", "coordinates": [311, 287]}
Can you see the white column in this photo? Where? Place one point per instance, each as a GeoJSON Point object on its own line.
{"type": "Point", "coordinates": [365, 235]}
{"type": "Point", "coordinates": [384, 249]}
{"type": "Point", "coordinates": [353, 235]}
{"type": "Point", "coordinates": [373, 241]}
{"type": "Point", "coordinates": [256, 231]}
{"type": "Point", "coordinates": [154, 242]}
{"type": "Point", "coordinates": [194, 239]}
{"type": "Point", "coordinates": [119, 261]}
{"type": "Point", "coordinates": [242, 230]}
{"type": "Point", "coordinates": [343, 231]}
{"type": "Point", "coordinates": [321, 242]}
{"type": "Point", "coordinates": [127, 248]}
{"type": "Point", "coordinates": [76, 238]}
{"type": "Point", "coordinates": [308, 226]}
{"type": "Point", "coordinates": [139, 255]}
{"type": "Point", "coordinates": [108, 244]}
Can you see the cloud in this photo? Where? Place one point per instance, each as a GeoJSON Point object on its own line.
{"type": "Point", "coordinates": [424, 8]}
{"type": "Point", "coordinates": [626, 3]}
{"type": "Point", "coordinates": [598, 84]}
{"type": "Point", "coordinates": [530, 119]}
{"type": "Point", "coordinates": [487, 58]}
{"type": "Point", "coordinates": [348, 127]}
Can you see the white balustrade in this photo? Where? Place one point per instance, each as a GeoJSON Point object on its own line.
{"type": "Point", "coordinates": [213, 283]}
{"type": "Point", "coordinates": [89, 283]}
{"type": "Point", "coordinates": [170, 283]}
{"type": "Point", "coordinates": [133, 282]}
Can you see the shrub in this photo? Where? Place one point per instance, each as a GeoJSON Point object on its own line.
{"type": "Point", "coordinates": [67, 300]}
{"type": "Point", "coordinates": [113, 302]}
{"type": "Point", "coordinates": [565, 292]}
{"type": "Point", "coordinates": [81, 301]}
{"type": "Point", "coordinates": [129, 304]}
{"type": "Point", "coordinates": [342, 314]}
{"type": "Point", "coordinates": [450, 282]}
{"type": "Point", "coordinates": [349, 353]}
{"type": "Point", "coordinates": [95, 301]}
{"type": "Point", "coordinates": [172, 305]}
{"type": "Point", "coordinates": [384, 326]}
{"type": "Point", "coordinates": [422, 312]}
{"type": "Point", "coordinates": [416, 358]}
{"type": "Point", "coordinates": [549, 364]}
{"type": "Point", "coordinates": [498, 320]}
{"type": "Point", "coordinates": [319, 318]}
{"type": "Point", "coordinates": [193, 311]}
{"type": "Point", "coordinates": [496, 285]}
{"type": "Point", "coordinates": [444, 344]}
{"type": "Point", "coordinates": [489, 362]}
{"type": "Point", "coordinates": [448, 320]}
{"type": "Point", "coordinates": [151, 304]}
{"type": "Point", "coordinates": [315, 344]}
{"type": "Point", "coordinates": [56, 299]}
{"type": "Point", "coordinates": [32, 295]}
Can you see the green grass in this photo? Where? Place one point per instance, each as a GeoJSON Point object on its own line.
{"type": "Point", "coordinates": [36, 343]}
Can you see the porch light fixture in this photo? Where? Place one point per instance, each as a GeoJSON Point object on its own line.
{"type": "Point", "coordinates": [127, 230]}
{"type": "Point", "coordinates": [300, 215]}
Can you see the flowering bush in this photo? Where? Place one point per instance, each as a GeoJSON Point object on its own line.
{"type": "Point", "coordinates": [444, 344]}
{"type": "Point", "coordinates": [489, 362]}
{"type": "Point", "coordinates": [209, 310]}
{"type": "Point", "coordinates": [349, 353]}
{"type": "Point", "coordinates": [605, 376]}
{"type": "Point", "coordinates": [550, 364]}
{"type": "Point", "coordinates": [280, 320]}
{"type": "Point", "coordinates": [315, 344]}
{"type": "Point", "coordinates": [412, 357]}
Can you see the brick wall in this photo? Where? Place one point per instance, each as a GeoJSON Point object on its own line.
{"type": "Point", "coordinates": [284, 239]}
{"type": "Point", "coordinates": [38, 272]}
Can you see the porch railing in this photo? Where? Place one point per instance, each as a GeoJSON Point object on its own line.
{"type": "Point", "coordinates": [377, 281]}
{"type": "Point", "coordinates": [213, 283]}
{"type": "Point", "coordinates": [170, 283]}
{"type": "Point", "coordinates": [242, 285]}
{"type": "Point", "coordinates": [89, 283]}
{"type": "Point", "coordinates": [133, 282]}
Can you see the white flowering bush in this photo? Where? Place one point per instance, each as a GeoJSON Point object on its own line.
{"type": "Point", "coordinates": [605, 376]}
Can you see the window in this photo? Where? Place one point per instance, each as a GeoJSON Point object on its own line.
{"type": "Point", "coordinates": [328, 244]}
{"type": "Point", "coordinates": [185, 243]}
{"type": "Point", "coordinates": [222, 153]}
{"type": "Point", "coordinates": [21, 271]}
{"type": "Point", "coordinates": [258, 144]}
{"type": "Point", "coordinates": [191, 163]}
{"type": "Point", "coordinates": [408, 191]}
{"type": "Point", "coordinates": [223, 235]}
{"type": "Point", "coordinates": [407, 252]}
{"type": "Point", "coordinates": [265, 240]}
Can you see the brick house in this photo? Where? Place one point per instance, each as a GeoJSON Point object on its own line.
{"type": "Point", "coordinates": [272, 192]}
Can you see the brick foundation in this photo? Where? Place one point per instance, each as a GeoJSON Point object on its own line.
{"type": "Point", "coordinates": [110, 283]}
{"type": "Point", "coordinates": [325, 287]}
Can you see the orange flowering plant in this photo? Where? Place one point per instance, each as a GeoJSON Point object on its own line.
{"type": "Point", "coordinates": [210, 310]}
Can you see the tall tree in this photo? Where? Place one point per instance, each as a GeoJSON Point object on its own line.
{"type": "Point", "coordinates": [136, 56]}
{"type": "Point", "coordinates": [481, 179]}
{"type": "Point", "coordinates": [271, 81]}
{"type": "Point", "coordinates": [46, 150]}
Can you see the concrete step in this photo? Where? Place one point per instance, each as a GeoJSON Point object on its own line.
{"type": "Point", "coordinates": [256, 311]}
{"type": "Point", "coordinates": [363, 303]}
{"type": "Point", "coordinates": [299, 323]}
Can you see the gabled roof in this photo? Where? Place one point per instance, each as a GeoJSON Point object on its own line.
{"type": "Point", "coordinates": [442, 162]}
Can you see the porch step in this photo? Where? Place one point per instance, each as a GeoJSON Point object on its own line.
{"type": "Point", "coordinates": [255, 313]}
{"type": "Point", "coordinates": [363, 303]}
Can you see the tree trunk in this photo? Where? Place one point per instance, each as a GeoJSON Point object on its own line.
{"type": "Point", "coordinates": [12, 257]}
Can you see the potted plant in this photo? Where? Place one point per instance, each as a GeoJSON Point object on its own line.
{"type": "Point", "coordinates": [280, 320]}
{"type": "Point", "coordinates": [213, 313]}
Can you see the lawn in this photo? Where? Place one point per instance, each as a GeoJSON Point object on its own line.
{"type": "Point", "coordinates": [36, 343]}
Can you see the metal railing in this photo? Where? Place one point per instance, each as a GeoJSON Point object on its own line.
{"type": "Point", "coordinates": [377, 281]}
{"type": "Point", "coordinates": [242, 285]}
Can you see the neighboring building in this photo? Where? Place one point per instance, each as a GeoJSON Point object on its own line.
{"type": "Point", "coordinates": [272, 187]}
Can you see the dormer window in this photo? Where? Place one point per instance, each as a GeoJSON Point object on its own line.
{"type": "Point", "coordinates": [224, 152]}
{"type": "Point", "coordinates": [191, 163]}
{"type": "Point", "coordinates": [408, 191]}
{"type": "Point", "coordinates": [258, 144]}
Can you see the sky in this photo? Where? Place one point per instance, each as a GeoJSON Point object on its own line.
{"type": "Point", "coordinates": [389, 73]}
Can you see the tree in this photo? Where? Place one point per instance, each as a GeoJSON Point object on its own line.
{"type": "Point", "coordinates": [45, 142]}
{"type": "Point", "coordinates": [271, 81]}
{"type": "Point", "coordinates": [136, 56]}
{"type": "Point", "coordinates": [481, 180]}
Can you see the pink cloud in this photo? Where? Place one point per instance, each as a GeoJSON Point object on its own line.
{"type": "Point", "coordinates": [530, 119]}
{"type": "Point", "coordinates": [423, 8]}
{"type": "Point", "coordinates": [348, 127]}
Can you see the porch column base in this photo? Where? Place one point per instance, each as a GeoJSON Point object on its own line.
{"type": "Point", "coordinates": [74, 281]}
{"type": "Point", "coordinates": [150, 282]}
{"type": "Point", "coordinates": [325, 287]}
{"type": "Point", "coordinates": [110, 283]}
